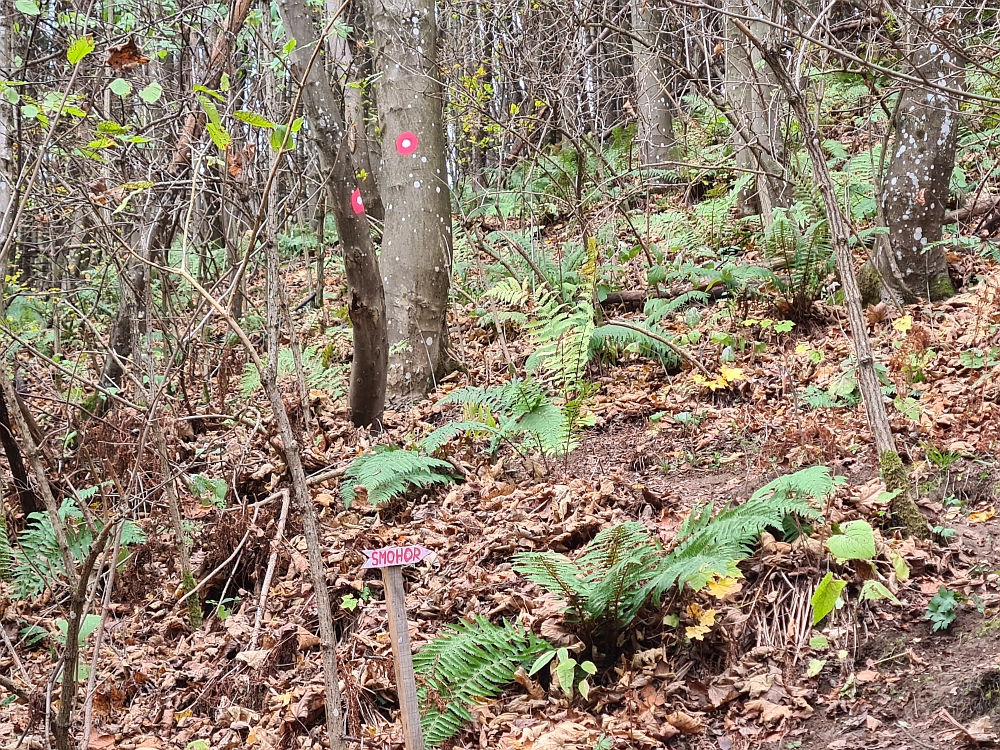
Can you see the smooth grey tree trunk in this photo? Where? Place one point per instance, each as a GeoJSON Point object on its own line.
{"type": "Point", "coordinates": [655, 136]}
{"type": "Point", "coordinates": [417, 244]}
{"type": "Point", "coordinates": [758, 104]}
{"type": "Point", "coordinates": [366, 303]}
{"type": "Point", "coordinates": [915, 187]}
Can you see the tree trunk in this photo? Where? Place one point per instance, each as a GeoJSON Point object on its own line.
{"type": "Point", "coordinates": [416, 245]}
{"type": "Point", "coordinates": [655, 135]}
{"type": "Point", "coordinates": [904, 509]}
{"type": "Point", "coordinates": [915, 186]}
{"type": "Point", "coordinates": [366, 301]}
{"type": "Point", "coordinates": [756, 102]}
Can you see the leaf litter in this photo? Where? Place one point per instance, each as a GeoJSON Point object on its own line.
{"type": "Point", "coordinates": [742, 665]}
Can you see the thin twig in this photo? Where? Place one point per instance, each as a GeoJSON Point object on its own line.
{"type": "Point", "coordinates": [678, 350]}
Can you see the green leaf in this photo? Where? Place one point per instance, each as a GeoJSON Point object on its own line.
{"type": "Point", "coordinates": [584, 688]}
{"type": "Point", "coordinates": [121, 87]}
{"type": "Point", "coordinates": [289, 46]}
{"type": "Point", "coordinates": [255, 120]}
{"type": "Point", "coordinates": [826, 596]}
{"type": "Point", "coordinates": [908, 407]}
{"type": "Point", "coordinates": [152, 93]}
{"type": "Point", "coordinates": [29, 111]}
{"type": "Point", "coordinates": [819, 642]}
{"type": "Point", "coordinates": [541, 661]}
{"type": "Point", "coordinates": [28, 7]}
{"type": "Point", "coordinates": [815, 667]}
{"type": "Point", "coordinates": [565, 672]}
{"type": "Point", "coordinates": [219, 136]}
{"type": "Point", "coordinates": [856, 543]}
{"type": "Point", "coordinates": [900, 567]}
{"type": "Point", "coordinates": [224, 82]}
{"type": "Point", "coordinates": [281, 139]}
{"type": "Point", "coordinates": [198, 88]}
{"type": "Point", "coordinates": [211, 110]}
{"type": "Point", "coordinates": [11, 95]}
{"type": "Point", "coordinates": [872, 589]}
{"type": "Point", "coordinates": [79, 48]}
{"type": "Point", "coordinates": [297, 124]}
{"type": "Point", "coordinates": [109, 128]}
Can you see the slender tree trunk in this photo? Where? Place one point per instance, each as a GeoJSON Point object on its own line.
{"type": "Point", "coordinates": [366, 303]}
{"type": "Point", "coordinates": [915, 187]}
{"type": "Point", "coordinates": [417, 245]}
{"type": "Point", "coordinates": [904, 509]}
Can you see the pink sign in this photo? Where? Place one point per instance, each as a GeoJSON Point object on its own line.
{"type": "Point", "coordinates": [407, 143]}
{"type": "Point", "coordinates": [356, 202]}
{"type": "Point", "coordinates": [388, 557]}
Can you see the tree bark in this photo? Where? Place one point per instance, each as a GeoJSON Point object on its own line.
{"type": "Point", "coordinates": [915, 187]}
{"type": "Point", "coordinates": [417, 244]}
{"type": "Point", "coordinates": [366, 301]}
{"type": "Point", "coordinates": [655, 134]}
{"type": "Point", "coordinates": [755, 98]}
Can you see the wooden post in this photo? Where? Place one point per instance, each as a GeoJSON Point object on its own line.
{"type": "Point", "coordinates": [402, 659]}
{"type": "Point", "coordinates": [391, 560]}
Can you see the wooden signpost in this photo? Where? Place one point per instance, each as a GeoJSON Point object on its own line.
{"type": "Point", "coordinates": [391, 561]}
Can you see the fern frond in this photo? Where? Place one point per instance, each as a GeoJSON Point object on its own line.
{"type": "Point", "coordinates": [614, 545]}
{"type": "Point", "coordinates": [389, 472]}
{"type": "Point", "coordinates": [558, 575]}
{"type": "Point", "coordinates": [812, 483]}
{"type": "Point", "coordinates": [451, 430]}
{"type": "Point", "coordinates": [623, 337]}
{"type": "Point", "coordinates": [468, 663]}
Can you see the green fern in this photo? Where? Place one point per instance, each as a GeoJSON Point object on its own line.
{"type": "Point", "coordinates": [472, 661]}
{"type": "Point", "coordinates": [623, 568]}
{"type": "Point", "coordinates": [389, 472]}
{"type": "Point", "coordinates": [801, 257]}
{"type": "Point", "coordinates": [35, 561]}
{"type": "Point", "coordinates": [518, 409]}
{"type": "Point", "coordinates": [320, 373]}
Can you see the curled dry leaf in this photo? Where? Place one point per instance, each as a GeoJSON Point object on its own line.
{"type": "Point", "coordinates": [125, 56]}
{"type": "Point", "coordinates": [770, 713]}
{"type": "Point", "coordinates": [535, 691]}
{"type": "Point", "coordinates": [685, 722]}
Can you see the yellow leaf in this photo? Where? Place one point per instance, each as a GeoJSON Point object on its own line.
{"type": "Point", "coordinates": [982, 516]}
{"type": "Point", "coordinates": [903, 324]}
{"type": "Point", "coordinates": [696, 632]}
{"type": "Point", "coordinates": [731, 374]}
{"type": "Point", "coordinates": [802, 348]}
{"type": "Point", "coordinates": [707, 618]}
{"type": "Point", "coordinates": [724, 587]}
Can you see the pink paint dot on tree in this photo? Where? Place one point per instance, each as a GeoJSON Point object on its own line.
{"type": "Point", "coordinates": [407, 143]}
{"type": "Point", "coordinates": [356, 203]}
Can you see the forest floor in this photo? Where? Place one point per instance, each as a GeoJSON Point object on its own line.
{"type": "Point", "coordinates": [881, 679]}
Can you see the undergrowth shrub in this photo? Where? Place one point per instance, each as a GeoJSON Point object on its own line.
{"type": "Point", "coordinates": [518, 412]}
{"type": "Point", "coordinates": [800, 255]}
{"type": "Point", "coordinates": [34, 562]}
{"type": "Point", "coordinates": [320, 373]}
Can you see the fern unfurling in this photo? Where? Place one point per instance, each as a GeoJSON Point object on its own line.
{"type": "Point", "coordinates": [470, 662]}
{"type": "Point", "coordinates": [389, 472]}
